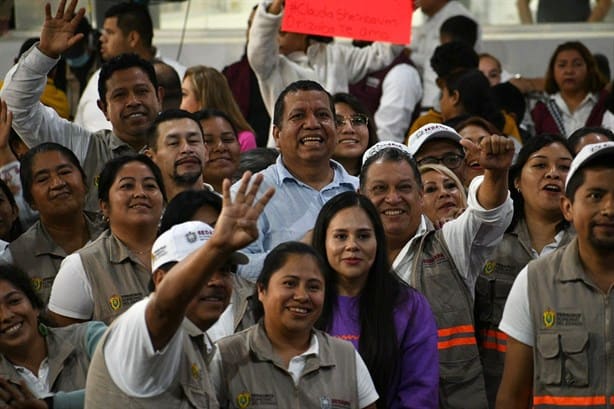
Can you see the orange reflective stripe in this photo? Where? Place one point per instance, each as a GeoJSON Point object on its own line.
{"type": "Point", "coordinates": [495, 334]}
{"type": "Point", "coordinates": [569, 400]}
{"type": "Point", "coordinates": [494, 345]}
{"type": "Point", "coordinates": [456, 342]}
{"type": "Point", "coordinates": [455, 330]}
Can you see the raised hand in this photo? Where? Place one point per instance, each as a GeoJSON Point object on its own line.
{"type": "Point", "coordinates": [237, 225]}
{"type": "Point", "coordinates": [58, 33]}
{"type": "Point", "coordinates": [495, 152]}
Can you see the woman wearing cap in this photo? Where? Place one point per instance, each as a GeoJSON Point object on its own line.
{"type": "Point", "coordinates": [167, 352]}
{"type": "Point", "coordinates": [537, 182]}
{"type": "Point", "coordinates": [104, 278]}
{"type": "Point", "coordinates": [283, 361]}
{"type": "Point", "coordinates": [390, 324]}
{"type": "Point", "coordinates": [356, 132]}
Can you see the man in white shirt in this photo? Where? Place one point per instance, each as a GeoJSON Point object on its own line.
{"type": "Point", "coordinates": [127, 28]}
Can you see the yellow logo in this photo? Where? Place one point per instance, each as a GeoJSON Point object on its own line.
{"type": "Point", "coordinates": [37, 283]}
{"type": "Point", "coordinates": [116, 302]}
{"type": "Point", "coordinates": [549, 318]}
{"type": "Point", "coordinates": [244, 399]}
{"type": "Point", "coordinates": [195, 372]}
{"type": "Point", "coordinates": [489, 267]}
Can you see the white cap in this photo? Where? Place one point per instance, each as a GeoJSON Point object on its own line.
{"type": "Point", "coordinates": [431, 132]}
{"type": "Point", "coordinates": [381, 146]}
{"type": "Point", "coordinates": [182, 239]}
{"type": "Point", "coordinates": [587, 153]}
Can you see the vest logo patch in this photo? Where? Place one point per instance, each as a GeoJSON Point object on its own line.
{"type": "Point", "coordinates": [436, 259]}
{"type": "Point", "coordinates": [244, 399]}
{"type": "Point", "coordinates": [549, 318]}
{"type": "Point", "coordinates": [116, 302]}
{"type": "Point", "coordinates": [37, 283]}
{"type": "Point", "coordinates": [195, 371]}
{"type": "Point", "coordinates": [489, 267]}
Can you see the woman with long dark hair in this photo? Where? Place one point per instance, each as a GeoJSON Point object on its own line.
{"type": "Point", "coordinates": [390, 324]}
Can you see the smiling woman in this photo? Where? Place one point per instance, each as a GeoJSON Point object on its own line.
{"type": "Point", "coordinates": [283, 359]}
{"type": "Point", "coordinates": [54, 185]}
{"type": "Point", "coordinates": [109, 275]}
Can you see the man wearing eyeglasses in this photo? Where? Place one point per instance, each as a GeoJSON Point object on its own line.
{"type": "Point", "coordinates": [438, 144]}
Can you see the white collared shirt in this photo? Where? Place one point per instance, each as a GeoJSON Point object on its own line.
{"type": "Point", "coordinates": [575, 120]}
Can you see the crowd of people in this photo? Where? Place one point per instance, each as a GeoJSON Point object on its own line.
{"type": "Point", "coordinates": [394, 250]}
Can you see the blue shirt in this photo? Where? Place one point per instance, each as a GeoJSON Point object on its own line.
{"type": "Point", "coordinates": [291, 212]}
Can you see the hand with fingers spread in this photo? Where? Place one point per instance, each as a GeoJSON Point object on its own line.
{"type": "Point", "coordinates": [58, 32]}
{"type": "Point", "coordinates": [18, 396]}
{"type": "Point", "coordinates": [495, 151]}
{"type": "Point", "coordinates": [237, 225]}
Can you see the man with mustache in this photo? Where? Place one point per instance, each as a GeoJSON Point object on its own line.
{"type": "Point", "coordinates": [175, 143]}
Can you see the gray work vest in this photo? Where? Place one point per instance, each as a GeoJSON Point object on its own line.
{"type": "Point", "coordinates": [36, 254]}
{"type": "Point", "coordinates": [103, 146]}
{"type": "Point", "coordinates": [242, 295]}
{"type": "Point", "coordinates": [254, 377]}
{"type": "Point", "coordinates": [117, 279]}
{"type": "Point", "coordinates": [191, 387]}
{"type": "Point", "coordinates": [492, 289]}
{"type": "Point", "coordinates": [573, 357]}
{"type": "Point", "coordinates": [434, 274]}
{"type": "Point", "coordinates": [67, 358]}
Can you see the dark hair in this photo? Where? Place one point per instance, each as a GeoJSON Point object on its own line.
{"type": "Point", "coordinates": [389, 155]}
{"type": "Point", "coordinates": [257, 159]}
{"type": "Point", "coordinates": [184, 206]}
{"type": "Point", "coordinates": [22, 282]}
{"type": "Point", "coordinates": [16, 228]}
{"type": "Point", "coordinates": [595, 80]}
{"type": "Point", "coordinates": [168, 115]}
{"type": "Point", "coordinates": [578, 178]}
{"type": "Point", "coordinates": [112, 167]}
{"type": "Point", "coordinates": [358, 107]}
{"type": "Point", "coordinates": [529, 148]}
{"type": "Point", "coordinates": [209, 113]}
{"type": "Point", "coordinates": [460, 28]}
{"type": "Point", "coordinates": [603, 65]}
{"type": "Point", "coordinates": [301, 85]}
{"type": "Point", "coordinates": [276, 259]}
{"type": "Point", "coordinates": [169, 81]}
{"type": "Point", "coordinates": [576, 136]}
{"type": "Point", "coordinates": [510, 99]}
{"type": "Point", "coordinates": [378, 344]}
{"type": "Point", "coordinates": [132, 16]}
{"type": "Point", "coordinates": [27, 161]}
{"type": "Point", "coordinates": [450, 57]}
{"type": "Point", "coordinates": [475, 95]}
{"type": "Point", "coordinates": [123, 62]}
{"type": "Point", "coordinates": [477, 121]}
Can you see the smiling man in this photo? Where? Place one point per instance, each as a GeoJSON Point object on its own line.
{"type": "Point", "coordinates": [129, 97]}
{"type": "Point", "coordinates": [304, 175]}
{"type": "Point", "coordinates": [175, 143]}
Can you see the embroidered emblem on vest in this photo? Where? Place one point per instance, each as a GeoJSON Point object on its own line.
{"type": "Point", "coordinates": [96, 180]}
{"type": "Point", "coordinates": [190, 237]}
{"type": "Point", "coordinates": [195, 372]}
{"type": "Point", "coordinates": [549, 318]}
{"type": "Point", "coordinates": [325, 403]}
{"type": "Point", "coordinates": [37, 283]}
{"type": "Point", "coordinates": [244, 399]}
{"type": "Point", "coordinates": [489, 267]}
{"type": "Point", "coordinates": [116, 302]}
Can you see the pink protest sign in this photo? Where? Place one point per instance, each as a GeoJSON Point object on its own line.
{"type": "Point", "coordinates": [383, 20]}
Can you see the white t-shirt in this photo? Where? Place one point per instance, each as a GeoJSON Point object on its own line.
{"type": "Point", "coordinates": [71, 293]}
{"type": "Point", "coordinates": [366, 390]}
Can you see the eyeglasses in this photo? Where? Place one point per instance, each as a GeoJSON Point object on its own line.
{"type": "Point", "coordinates": [450, 161]}
{"type": "Point", "coordinates": [355, 120]}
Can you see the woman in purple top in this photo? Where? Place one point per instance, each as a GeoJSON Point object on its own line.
{"type": "Point", "coordinates": [390, 324]}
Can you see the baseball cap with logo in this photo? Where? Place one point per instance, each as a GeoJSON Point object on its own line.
{"type": "Point", "coordinates": [430, 132]}
{"type": "Point", "coordinates": [181, 240]}
{"type": "Point", "coordinates": [589, 152]}
{"type": "Point", "coordinates": [380, 146]}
